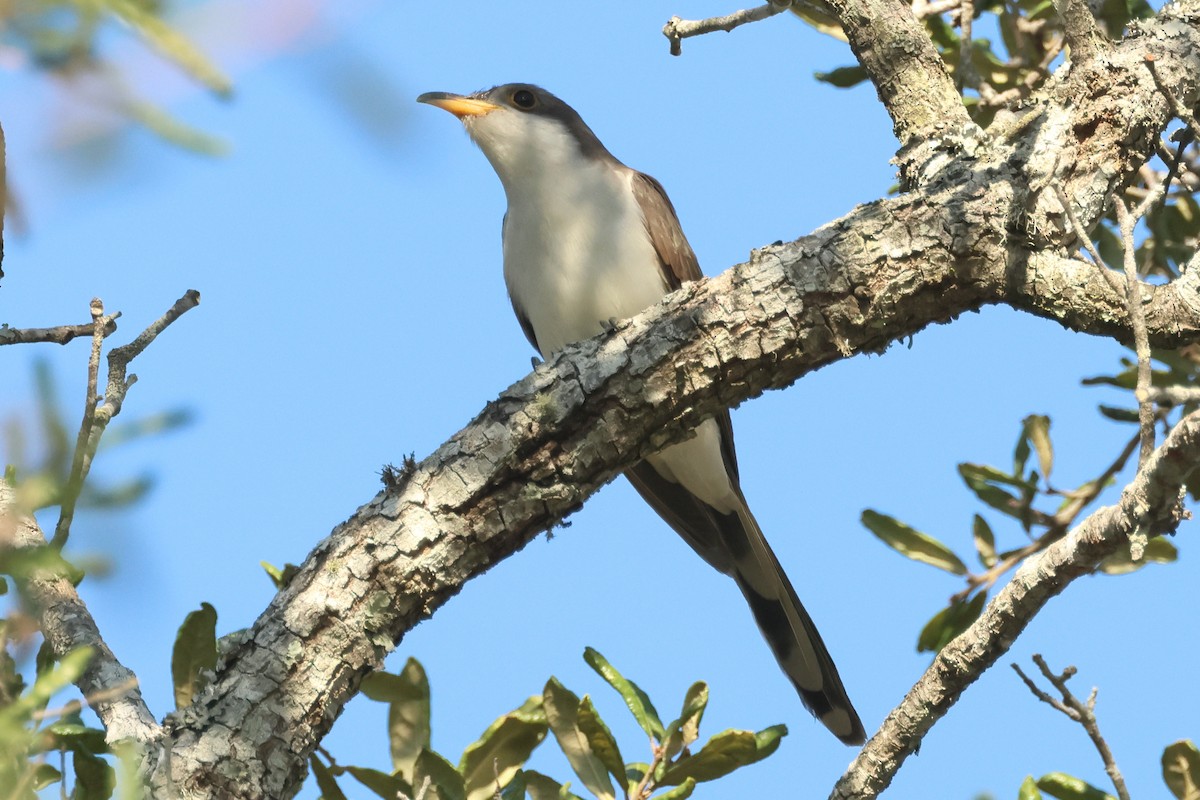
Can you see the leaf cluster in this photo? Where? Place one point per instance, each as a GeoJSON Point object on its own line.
{"type": "Point", "coordinates": [30, 734]}
{"type": "Point", "coordinates": [1024, 494]}
{"type": "Point", "coordinates": [494, 764]}
{"type": "Point", "coordinates": [67, 38]}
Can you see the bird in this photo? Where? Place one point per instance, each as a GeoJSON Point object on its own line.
{"type": "Point", "coordinates": [587, 240]}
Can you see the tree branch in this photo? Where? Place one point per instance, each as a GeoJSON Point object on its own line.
{"type": "Point", "coordinates": [67, 625]}
{"type": "Point", "coordinates": [60, 334]}
{"type": "Point", "coordinates": [1149, 503]}
{"type": "Point", "coordinates": [909, 74]}
{"type": "Point", "coordinates": [1077, 710]}
{"type": "Point", "coordinates": [974, 234]}
{"type": "Point", "coordinates": [676, 29]}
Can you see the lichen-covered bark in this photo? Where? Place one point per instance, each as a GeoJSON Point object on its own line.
{"type": "Point", "coordinates": [983, 228]}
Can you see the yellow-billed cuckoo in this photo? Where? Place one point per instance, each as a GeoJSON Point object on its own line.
{"type": "Point", "coordinates": [587, 240]}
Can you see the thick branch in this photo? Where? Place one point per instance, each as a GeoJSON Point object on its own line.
{"type": "Point", "coordinates": [67, 625]}
{"type": "Point", "coordinates": [909, 74]}
{"type": "Point", "coordinates": [976, 235]}
{"type": "Point", "coordinates": [1149, 504]}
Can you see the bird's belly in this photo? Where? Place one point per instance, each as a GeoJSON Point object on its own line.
{"type": "Point", "coordinates": [568, 286]}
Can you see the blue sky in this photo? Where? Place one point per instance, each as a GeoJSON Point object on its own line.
{"type": "Point", "coordinates": [347, 251]}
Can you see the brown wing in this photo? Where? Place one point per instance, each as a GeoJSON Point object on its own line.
{"type": "Point", "coordinates": [679, 263]}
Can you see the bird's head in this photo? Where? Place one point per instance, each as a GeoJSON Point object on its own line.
{"type": "Point", "coordinates": [521, 128]}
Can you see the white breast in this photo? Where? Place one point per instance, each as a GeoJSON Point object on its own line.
{"type": "Point", "coordinates": [576, 254]}
{"type": "Point", "coordinates": [576, 251]}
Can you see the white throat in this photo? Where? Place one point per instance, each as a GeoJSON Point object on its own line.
{"type": "Point", "coordinates": [576, 251]}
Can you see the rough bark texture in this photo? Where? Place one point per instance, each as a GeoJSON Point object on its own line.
{"type": "Point", "coordinates": [983, 228]}
{"type": "Point", "coordinates": [980, 225]}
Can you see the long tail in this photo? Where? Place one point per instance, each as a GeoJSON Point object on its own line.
{"type": "Point", "coordinates": [734, 544]}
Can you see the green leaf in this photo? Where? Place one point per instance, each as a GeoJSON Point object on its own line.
{"type": "Point", "coordinates": [985, 542]}
{"type": "Point", "coordinates": [280, 577]}
{"type": "Point", "coordinates": [94, 778]}
{"type": "Point", "coordinates": [1029, 789]}
{"type": "Point", "coordinates": [1181, 769]}
{"type": "Point", "coordinates": [722, 754]}
{"type": "Point", "coordinates": [1037, 432]}
{"type": "Point", "coordinates": [170, 43]}
{"type": "Point", "coordinates": [1068, 787]}
{"type": "Point", "coordinates": [28, 562]}
{"type": "Point", "coordinates": [541, 787]}
{"type": "Point", "coordinates": [387, 786]}
{"type": "Point", "coordinates": [637, 700]}
{"type": "Point", "coordinates": [53, 680]}
{"type": "Point", "coordinates": [170, 129]}
{"type": "Point", "coordinates": [491, 762]}
{"type": "Point", "coordinates": [600, 739]}
{"type": "Point", "coordinates": [819, 19]}
{"type": "Point", "coordinates": [768, 740]}
{"type": "Point", "coordinates": [842, 77]}
{"type": "Point", "coordinates": [978, 477]}
{"type": "Point", "coordinates": [681, 791]}
{"type": "Point", "coordinates": [69, 733]}
{"type": "Point", "coordinates": [562, 712]}
{"type": "Point", "coordinates": [444, 780]}
{"type": "Point", "coordinates": [45, 775]}
{"type": "Point", "coordinates": [515, 790]}
{"type": "Point", "coordinates": [912, 543]}
{"type": "Point", "coordinates": [1119, 414]}
{"type": "Point", "coordinates": [685, 730]}
{"type": "Point", "coordinates": [325, 780]}
{"type": "Point", "coordinates": [195, 654]}
{"type": "Point", "coordinates": [407, 694]}
{"type": "Point", "coordinates": [949, 623]}
{"type": "Point", "coordinates": [1158, 550]}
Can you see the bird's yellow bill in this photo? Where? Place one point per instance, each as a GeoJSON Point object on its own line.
{"type": "Point", "coordinates": [457, 104]}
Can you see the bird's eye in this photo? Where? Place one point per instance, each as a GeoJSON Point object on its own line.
{"type": "Point", "coordinates": [523, 98]}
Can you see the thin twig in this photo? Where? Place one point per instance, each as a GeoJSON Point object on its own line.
{"type": "Point", "coordinates": [967, 76]}
{"type": "Point", "coordinates": [81, 463]}
{"type": "Point", "coordinates": [1086, 241]}
{"type": "Point", "coordinates": [1137, 320]}
{"type": "Point", "coordinates": [676, 29]}
{"type": "Point", "coordinates": [59, 334]}
{"type": "Point", "coordinates": [92, 700]}
{"type": "Point", "coordinates": [98, 415]}
{"type": "Point", "coordinates": [1174, 395]}
{"type": "Point", "coordinates": [1083, 713]}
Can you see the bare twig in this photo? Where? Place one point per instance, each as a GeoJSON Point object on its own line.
{"type": "Point", "coordinates": [967, 76]}
{"type": "Point", "coordinates": [59, 334]}
{"type": "Point", "coordinates": [92, 700]}
{"type": "Point", "coordinates": [98, 415]}
{"type": "Point", "coordinates": [1150, 502]}
{"type": "Point", "coordinates": [81, 463]}
{"type": "Point", "coordinates": [1083, 713]}
{"type": "Point", "coordinates": [1137, 320]}
{"type": "Point", "coordinates": [1174, 395]}
{"type": "Point", "coordinates": [676, 29]}
{"type": "Point", "coordinates": [1085, 241]}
